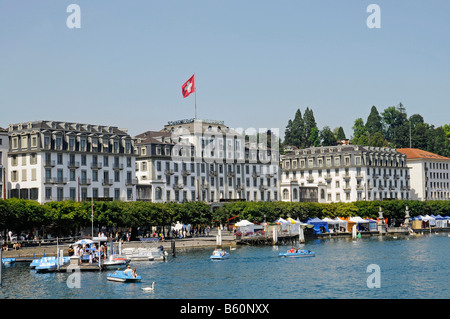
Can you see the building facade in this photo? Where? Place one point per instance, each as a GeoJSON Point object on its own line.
{"type": "Point", "coordinates": [55, 161]}
{"type": "Point", "coordinates": [430, 174]}
{"type": "Point", "coordinates": [344, 173]}
{"type": "Point", "coordinates": [194, 160]}
{"type": "Point", "coordinates": [4, 142]}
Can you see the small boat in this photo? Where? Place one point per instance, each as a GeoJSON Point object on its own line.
{"type": "Point", "coordinates": [299, 253]}
{"type": "Point", "coordinates": [219, 254]}
{"type": "Point", "coordinates": [7, 261]}
{"type": "Point", "coordinates": [116, 261]}
{"type": "Point", "coordinates": [121, 276]}
{"type": "Point", "coordinates": [46, 266]}
{"type": "Point", "coordinates": [37, 262]}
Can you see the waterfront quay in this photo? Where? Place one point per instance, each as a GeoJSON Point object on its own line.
{"type": "Point", "coordinates": [28, 253]}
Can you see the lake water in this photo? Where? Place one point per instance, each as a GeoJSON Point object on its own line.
{"type": "Point", "coordinates": [409, 267]}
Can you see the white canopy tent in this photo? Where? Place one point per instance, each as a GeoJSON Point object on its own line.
{"type": "Point", "coordinates": [245, 227]}
{"type": "Point", "coordinates": [284, 224]}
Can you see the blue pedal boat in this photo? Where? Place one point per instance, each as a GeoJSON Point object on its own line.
{"type": "Point", "coordinates": [7, 261]}
{"type": "Point", "coordinates": [120, 276]}
{"type": "Point", "coordinates": [299, 253]}
{"type": "Point", "coordinates": [219, 255]}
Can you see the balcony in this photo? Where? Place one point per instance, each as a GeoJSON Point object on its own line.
{"type": "Point", "coordinates": [204, 186]}
{"type": "Point", "coordinates": [256, 174]}
{"type": "Point", "coordinates": [85, 181]}
{"type": "Point", "coordinates": [73, 164]}
{"type": "Point", "coordinates": [107, 182]}
{"type": "Point", "coordinates": [59, 180]}
{"type": "Point", "coordinates": [185, 172]}
{"type": "Point", "coordinates": [328, 177]}
{"type": "Point", "coordinates": [49, 163]}
{"type": "Point", "coordinates": [310, 179]}
{"type": "Point", "coordinates": [169, 172]}
{"type": "Point", "coordinates": [178, 186]}
{"type": "Point", "coordinates": [130, 181]}
{"type": "Point", "coordinates": [346, 176]}
{"type": "Point", "coordinates": [117, 166]}
{"type": "Point", "coordinates": [263, 188]}
{"type": "Point", "coordinates": [213, 173]}
{"type": "Point", "coordinates": [96, 165]}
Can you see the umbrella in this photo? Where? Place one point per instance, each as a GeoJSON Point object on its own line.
{"type": "Point", "coordinates": [83, 241]}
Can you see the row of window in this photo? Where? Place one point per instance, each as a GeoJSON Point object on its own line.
{"type": "Point", "coordinates": [85, 178]}
{"type": "Point", "coordinates": [337, 198]}
{"type": "Point", "coordinates": [180, 196]}
{"type": "Point", "coordinates": [61, 193]}
{"type": "Point", "coordinates": [96, 161]}
{"type": "Point", "coordinates": [84, 144]}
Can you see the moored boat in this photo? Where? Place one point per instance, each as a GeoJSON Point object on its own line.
{"type": "Point", "coordinates": [116, 261]}
{"type": "Point", "coordinates": [7, 261]}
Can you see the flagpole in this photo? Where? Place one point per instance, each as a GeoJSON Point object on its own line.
{"type": "Point", "coordinates": [195, 99]}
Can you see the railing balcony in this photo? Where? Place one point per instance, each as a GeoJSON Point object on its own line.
{"type": "Point", "coordinates": [204, 186]}
{"type": "Point", "coordinates": [107, 181]}
{"type": "Point", "coordinates": [59, 180]}
{"type": "Point", "coordinates": [73, 164]}
{"type": "Point", "coordinates": [85, 181]}
{"type": "Point", "coordinates": [49, 163]}
{"type": "Point", "coordinates": [130, 181]}
{"type": "Point", "coordinates": [117, 166]}
{"type": "Point", "coordinates": [96, 165]}
{"type": "Point", "coordinates": [185, 172]}
{"type": "Point", "coordinates": [178, 186]}
{"type": "Point", "coordinates": [169, 172]}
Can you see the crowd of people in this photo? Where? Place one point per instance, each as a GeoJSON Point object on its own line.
{"type": "Point", "coordinates": [89, 253]}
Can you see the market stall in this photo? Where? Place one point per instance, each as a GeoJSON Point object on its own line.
{"type": "Point", "coordinates": [320, 226]}
{"type": "Point", "coordinates": [245, 228]}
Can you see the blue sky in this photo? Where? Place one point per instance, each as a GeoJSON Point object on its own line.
{"type": "Point", "coordinates": [256, 62]}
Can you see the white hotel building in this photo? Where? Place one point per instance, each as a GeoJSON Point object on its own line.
{"type": "Point", "coordinates": [344, 173]}
{"type": "Point", "coordinates": [430, 174]}
{"type": "Point", "coordinates": [195, 160]}
{"type": "Point", "coordinates": [4, 142]}
{"type": "Point", "coordinates": [55, 161]}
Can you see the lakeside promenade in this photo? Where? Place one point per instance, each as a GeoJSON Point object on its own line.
{"type": "Point", "coordinates": [228, 240]}
{"type": "Point", "coordinates": [46, 249]}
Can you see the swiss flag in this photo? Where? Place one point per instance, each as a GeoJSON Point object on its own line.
{"type": "Point", "coordinates": [188, 87]}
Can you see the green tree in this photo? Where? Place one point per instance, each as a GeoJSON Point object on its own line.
{"type": "Point", "coordinates": [309, 123]}
{"type": "Point", "coordinates": [297, 132]}
{"type": "Point", "coordinates": [340, 135]}
{"type": "Point", "coordinates": [314, 138]}
{"type": "Point", "coordinates": [359, 131]}
{"type": "Point", "coordinates": [373, 123]}
{"type": "Point", "coordinates": [327, 137]}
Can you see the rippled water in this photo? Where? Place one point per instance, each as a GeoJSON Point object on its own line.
{"type": "Point", "coordinates": [410, 267]}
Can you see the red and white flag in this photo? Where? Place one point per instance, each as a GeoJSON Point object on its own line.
{"type": "Point", "coordinates": [188, 87]}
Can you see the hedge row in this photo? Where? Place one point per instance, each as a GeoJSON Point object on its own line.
{"type": "Point", "coordinates": [67, 217]}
